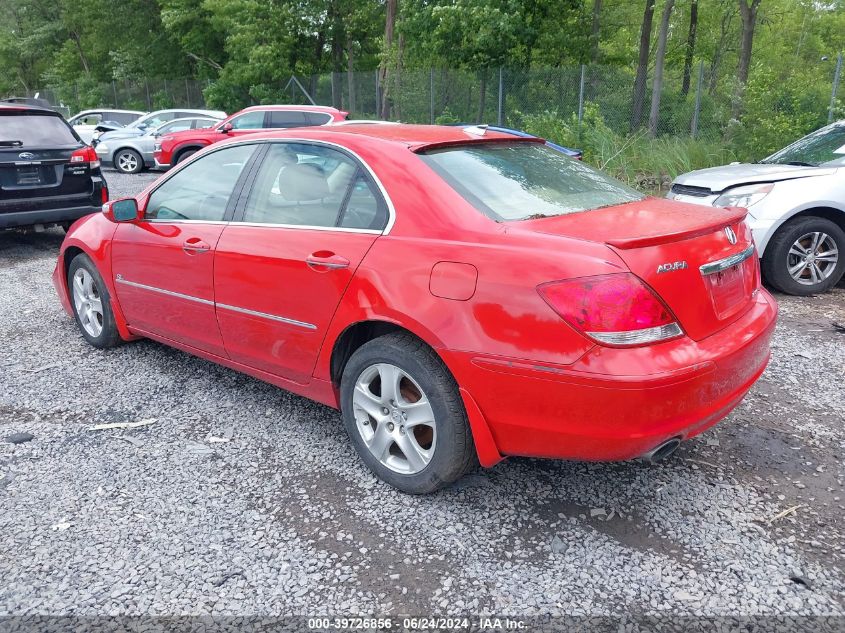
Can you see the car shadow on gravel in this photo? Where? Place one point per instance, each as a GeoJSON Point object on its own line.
{"type": "Point", "coordinates": [20, 246]}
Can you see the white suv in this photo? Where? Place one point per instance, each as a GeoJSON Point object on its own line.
{"type": "Point", "coordinates": [796, 208]}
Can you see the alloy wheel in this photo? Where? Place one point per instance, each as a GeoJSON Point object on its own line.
{"type": "Point", "coordinates": [127, 162]}
{"type": "Point", "coordinates": [88, 302]}
{"type": "Point", "coordinates": [812, 258]}
{"type": "Point", "coordinates": [394, 418]}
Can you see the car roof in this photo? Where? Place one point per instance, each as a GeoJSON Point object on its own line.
{"type": "Point", "coordinates": [302, 108]}
{"type": "Point", "coordinates": [27, 107]}
{"type": "Point", "coordinates": [109, 110]}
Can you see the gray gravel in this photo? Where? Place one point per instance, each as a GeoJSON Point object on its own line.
{"type": "Point", "coordinates": [243, 499]}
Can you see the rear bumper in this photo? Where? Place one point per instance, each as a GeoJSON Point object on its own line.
{"type": "Point", "coordinates": [616, 404]}
{"type": "Point", "coordinates": [17, 219]}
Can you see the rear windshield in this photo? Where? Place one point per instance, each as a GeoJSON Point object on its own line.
{"type": "Point", "coordinates": [523, 181]}
{"type": "Point", "coordinates": [34, 130]}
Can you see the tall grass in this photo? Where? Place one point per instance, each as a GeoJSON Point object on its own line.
{"type": "Point", "coordinates": [645, 163]}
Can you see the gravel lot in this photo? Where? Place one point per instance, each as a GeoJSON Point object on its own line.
{"type": "Point", "coordinates": [282, 518]}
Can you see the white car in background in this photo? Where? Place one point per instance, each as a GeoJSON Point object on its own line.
{"type": "Point", "coordinates": [86, 122]}
{"type": "Point", "coordinates": [796, 208]}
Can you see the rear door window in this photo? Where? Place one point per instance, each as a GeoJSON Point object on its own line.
{"type": "Point", "coordinates": [300, 184]}
{"type": "Point", "coordinates": [286, 118]}
{"type": "Point", "coordinates": [34, 130]}
{"type": "Point", "coordinates": [124, 118]}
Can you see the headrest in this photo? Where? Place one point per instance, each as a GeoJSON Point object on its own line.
{"type": "Point", "coordinates": [301, 182]}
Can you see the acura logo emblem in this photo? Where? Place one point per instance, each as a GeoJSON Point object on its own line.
{"type": "Point", "coordinates": [26, 156]}
{"type": "Point", "coordinates": [729, 232]}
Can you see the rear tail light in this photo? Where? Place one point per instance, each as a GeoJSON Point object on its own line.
{"type": "Point", "coordinates": [617, 309]}
{"type": "Point", "coordinates": [85, 155]}
{"type": "Point", "coordinates": [104, 194]}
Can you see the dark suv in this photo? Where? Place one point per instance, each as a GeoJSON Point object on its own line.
{"type": "Point", "coordinates": [48, 175]}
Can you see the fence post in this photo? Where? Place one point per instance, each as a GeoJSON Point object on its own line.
{"type": "Point", "coordinates": [581, 97]}
{"type": "Point", "coordinates": [500, 118]}
{"type": "Point", "coordinates": [378, 97]}
{"type": "Point", "coordinates": [697, 111]}
{"type": "Point", "coordinates": [836, 75]}
{"type": "Point", "coordinates": [431, 94]}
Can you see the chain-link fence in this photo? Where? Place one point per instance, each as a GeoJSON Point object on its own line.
{"type": "Point", "coordinates": [694, 105]}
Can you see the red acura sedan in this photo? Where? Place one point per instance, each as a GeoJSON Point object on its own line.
{"type": "Point", "coordinates": [460, 295]}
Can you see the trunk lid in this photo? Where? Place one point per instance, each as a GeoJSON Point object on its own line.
{"type": "Point", "coordinates": [700, 261]}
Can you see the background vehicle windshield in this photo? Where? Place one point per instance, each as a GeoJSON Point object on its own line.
{"type": "Point", "coordinates": [24, 130]}
{"type": "Point", "coordinates": [819, 147]}
{"type": "Point", "coordinates": [521, 181]}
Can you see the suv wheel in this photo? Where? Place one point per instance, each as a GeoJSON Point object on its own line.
{"type": "Point", "coordinates": [128, 161]}
{"type": "Point", "coordinates": [806, 256]}
{"type": "Point", "coordinates": [404, 414]}
{"type": "Point", "coordinates": [185, 155]}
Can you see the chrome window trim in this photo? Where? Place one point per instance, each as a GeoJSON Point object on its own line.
{"type": "Point", "coordinates": [265, 315]}
{"type": "Point", "coordinates": [169, 293]}
{"type": "Point", "coordinates": [180, 221]}
{"type": "Point", "coordinates": [309, 227]}
{"type": "Point", "coordinates": [178, 295]}
{"type": "Point", "coordinates": [728, 262]}
{"type": "Point", "coordinates": [391, 210]}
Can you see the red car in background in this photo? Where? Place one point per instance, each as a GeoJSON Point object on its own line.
{"type": "Point", "coordinates": [173, 148]}
{"type": "Point", "coordinates": [460, 295]}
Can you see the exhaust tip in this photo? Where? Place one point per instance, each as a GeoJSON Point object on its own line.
{"type": "Point", "coordinates": [662, 451]}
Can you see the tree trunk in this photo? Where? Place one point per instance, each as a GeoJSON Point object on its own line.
{"type": "Point", "coordinates": [350, 72]}
{"type": "Point", "coordinates": [75, 37]}
{"type": "Point", "coordinates": [748, 15]}
{"type": "Point", "coordinates": [690, 49]}
{"type": "Point", "coordinates": [595, 32]}
{"type": "Point", "coordinates": [725, 28]}
{"type": "Point", "coordinates": [660, 55]}
{"type": "Point", "coordinates": [638, 99]}
{"type": "Point", "coordinates": [389, 27]}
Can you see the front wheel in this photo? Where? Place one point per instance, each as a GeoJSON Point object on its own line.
{"type": "Point", "coordinates": [404, 414]}
{"type": "Point", "coordinates": [91, 303]}
{"type": "Point", "coordinates": [186, 155]}
{"type": "Point", "coordinates": [806, 256]}
{"type": "Point", "coordinates": [128, 161]}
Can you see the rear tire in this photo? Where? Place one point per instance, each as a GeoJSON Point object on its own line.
{"type": "Point", "coordinates": [91, 303]}
{"type": "Point", "coordinates": [128, 161]}
{"type": "Point", "coordinates": [414, 436]}
{"type": "Point", "coordinates": [805, 256]}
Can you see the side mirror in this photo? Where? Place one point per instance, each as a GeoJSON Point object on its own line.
{"type": "Point", "coordinates": [125, 210]}
{"type": "Point", "coordinates": [227, 128]}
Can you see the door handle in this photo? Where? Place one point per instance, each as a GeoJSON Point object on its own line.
{"type": "Point", "coordinates": [326, 259]}
{"type": "Point", "coordinates": [195, 245]}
